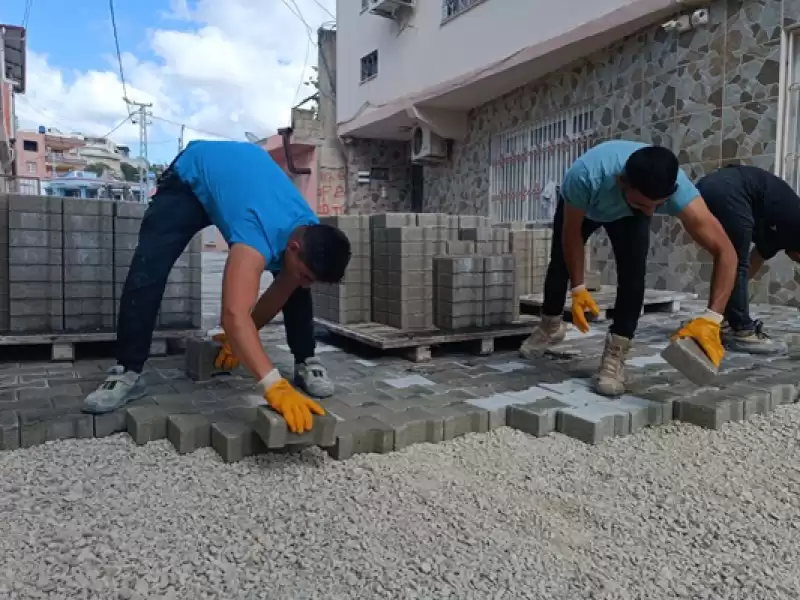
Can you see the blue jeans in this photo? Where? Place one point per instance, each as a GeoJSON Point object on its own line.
{"type": "Point", "coordinates": [173, 218]}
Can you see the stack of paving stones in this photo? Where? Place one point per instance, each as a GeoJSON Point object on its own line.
{"type": "Point", "coordinates": [35, 264]}
{"type": "Point", "coordinates": [350, 300]}
{"type": "Point", "coordinates": [474, 291]}
{"type": "Point", "coordinates": [89, 303]}
{"type": "Point", "coordinates": [63, 263]}
{"type": "Point", "coordinates": [380, 407]}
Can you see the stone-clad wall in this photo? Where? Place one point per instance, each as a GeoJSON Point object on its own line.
{"type": "Point", "coordinates": [710, 95]}
{"type": "Point", "coordinates": [63, 263]}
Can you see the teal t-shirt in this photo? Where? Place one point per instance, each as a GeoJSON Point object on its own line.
{"type": "Point", "coordinates": [591, 184]}
{"type": "Point", "coordinates": [246, 195]}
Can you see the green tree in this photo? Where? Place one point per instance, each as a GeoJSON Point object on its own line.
{"type": "Point", "coordinates": [96, 168]}
{"type": "Point", "coordinates": [129, 172]}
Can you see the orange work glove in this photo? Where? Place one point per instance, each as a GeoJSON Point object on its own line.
{"type": "Point", "coordinates": [289, 403]}
{"type": "Point", "coordinates": [705, 330]}
{"type": "Point", "coordinates": [225, 358]}
{"type": "Point", "coordinates": [581, 302]}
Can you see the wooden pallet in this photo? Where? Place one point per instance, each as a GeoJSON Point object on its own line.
{"type": "Point", "coordinates": [654, 301]}
{"type": "Point", "coordinates": [416, 345]}
{"type": "Point", "coordinates": [62, 345]}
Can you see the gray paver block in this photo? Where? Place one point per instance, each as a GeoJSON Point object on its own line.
{"type": "Point", "coordinates": [188, 432]}
{"type": "Point", "coordinates": [595, 423]}
{"type": "Point", "coordinates": [234, 441]}
{"type": "Point", "coordinates": [687, 357]}
{"type": "Point", "coordinates": [711, 410]}
{"type": "Point", "coordinates": [146, 423]}
{"type": "Point", "coordinates": [783, 393]}
{"type": "Point", "coordinates": [462, 418]}
{"type": "Point", "coordinates": [537, 418]}
{"type": "Point", "coordinates": [364, 435]}
{"type": "Point", "coordinates": [38, 427]}
{"type": "Point", "coordinates": [116, 421]}
{"type": "Point", "coordinates": [413, 426]}
{"type": "Point", "coordinates": [274, 432]}
{"type": "Point", "coordinates": [9, 430]}
{"type": "Point", "coordinates": [200, 356]}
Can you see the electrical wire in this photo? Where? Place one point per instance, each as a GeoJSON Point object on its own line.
{"type": "Point", "coordinates": [318, 3]}
{"type": "Point", "coordinates": [119, 55]}
{"type": "Point", "coordinates": [118, 125]}
{"type": "Point", "coordinates": [211, 133]}
{"type": "Point", "coordinates": [27, 13]}
{"type": "Point", "coordinates": [302, 73]}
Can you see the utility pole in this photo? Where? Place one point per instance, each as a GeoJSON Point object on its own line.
{"type": "Point", "coordinates": [180, 139]}
{"type": "Point", "coordinates": [141, 109]}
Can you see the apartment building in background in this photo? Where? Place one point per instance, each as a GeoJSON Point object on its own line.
{"type": "Point", "coordinates": [12, 81]}
{"type": "Point", "coordinates": [479, 106]}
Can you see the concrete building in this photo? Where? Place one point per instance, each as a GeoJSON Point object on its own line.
{"type": "Point", "coordinates": [47, 152]}
{"type": "Point", "coordinates": [12, 81]}
{"type": "Point", "coordinates": [502, 96]}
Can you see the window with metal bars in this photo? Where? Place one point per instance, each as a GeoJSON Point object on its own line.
{"type": "Point", "coordinates": [451, 8]}
{"type": "Point", "coordinates": [528, 164]}
{"type": "Point", "coordinates": [369, 66]}
{"type": "Point", "coordinates": [787, 159]}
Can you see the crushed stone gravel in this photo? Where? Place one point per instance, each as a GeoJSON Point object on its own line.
{"type": "Point", "coordinates": [675, 512]}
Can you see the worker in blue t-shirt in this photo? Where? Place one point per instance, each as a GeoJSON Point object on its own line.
{"type": "Point", "coordinates": [267, 224]}
{"type": "Point", "coordinates": [619, 185]}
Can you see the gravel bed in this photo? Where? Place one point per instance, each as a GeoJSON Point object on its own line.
{"type": "Point", "coordinates": [677, 512]}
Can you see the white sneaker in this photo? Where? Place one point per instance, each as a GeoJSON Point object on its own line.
{"type": "Point", "coordinates": [312, 377]}
{"type": "Point", "coordinates": [119, 388]}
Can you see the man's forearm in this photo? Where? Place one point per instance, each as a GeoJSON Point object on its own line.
{"type": "Point", "coordinates": [270, 303]}
{"type": "Point", "coordinates": [723, 278]}
{"type": "Point", "coordinates": [574, 254]}
{"type": "Point", "coordinates": [246, 343]}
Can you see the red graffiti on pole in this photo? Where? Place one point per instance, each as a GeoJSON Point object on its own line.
{"type": "Point", "coordinates": [331, 192]}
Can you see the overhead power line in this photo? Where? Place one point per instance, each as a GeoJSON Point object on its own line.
{"type": "Point", "coordinates": [27, 13]}
{"type": "Point", "coordinates": [119, 55]}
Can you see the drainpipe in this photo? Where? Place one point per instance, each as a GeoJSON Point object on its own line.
{"type": "Point", "coordinates": [286, 135]}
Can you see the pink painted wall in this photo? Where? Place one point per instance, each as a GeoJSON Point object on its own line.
{"type": "Point", "coordinates": [305, 156]}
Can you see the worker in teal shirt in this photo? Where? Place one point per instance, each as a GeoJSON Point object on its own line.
{"type": "Point", "coordinates": [267, 224]}
{"type": "Point", "coordinates": [619, 185]}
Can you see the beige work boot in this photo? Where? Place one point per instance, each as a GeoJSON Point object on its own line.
{"type": "Point", "coordinates": [551, 331]}
{"type": "Point", "coordinates": [610, 379]}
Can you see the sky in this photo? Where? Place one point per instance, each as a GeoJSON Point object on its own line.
{"type": "Point", "coordinates": [221, 67]}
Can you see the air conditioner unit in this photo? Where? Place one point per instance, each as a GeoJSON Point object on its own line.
{"type": "Point", "coordinates": [389, 8]}
{"type": "Point", "coordinates": [426, 146]}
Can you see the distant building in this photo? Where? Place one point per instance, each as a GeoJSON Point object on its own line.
{"type": "Point", "coordinates": [12, 81]}
{"type": "Point", "coordinates": [84, 184]}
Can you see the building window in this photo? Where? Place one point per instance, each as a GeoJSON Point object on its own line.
{"type": "Point", "coordinates": [31, 167]}
{"type": "Point", "coordinates": [369, 66]}
{"type": "Point", "coordinates": [451, 8]}
{"type": "Point", "coordinates": [787, 159]}
{"type": "Point", "coordinates": [30, 145]}
{"type": "Point", "coordinates": [528, 164]}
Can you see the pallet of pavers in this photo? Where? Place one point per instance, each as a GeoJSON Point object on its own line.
{"type": "Point", "coordinates": [605, 297]}
{"type": "Point", "coordinates": [417, 344]}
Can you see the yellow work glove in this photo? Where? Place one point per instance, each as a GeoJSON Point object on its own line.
{"type": "Point", "coordinates": [289, 403]}
{"type": "Point", "coordinates": [225, 359]}
{"type": "Point", "coordinates": [705, 330]}
{"type": "Point", "coordinates": [581, 302]}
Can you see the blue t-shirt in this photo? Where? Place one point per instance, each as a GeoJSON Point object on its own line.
{"type": "Point", "coordinates": [591, 184]}
{"type": "Point", "coordinates": [246, 195]}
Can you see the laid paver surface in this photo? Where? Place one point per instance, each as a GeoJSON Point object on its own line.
{"type": "Point", "coordinates": [384, 403]}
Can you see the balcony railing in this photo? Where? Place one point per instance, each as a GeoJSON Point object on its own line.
{"type": "Point", "coordinates": [28, 186]}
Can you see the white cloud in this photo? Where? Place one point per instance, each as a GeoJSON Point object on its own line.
{"type": "Point", "coordinates": [226, 68]}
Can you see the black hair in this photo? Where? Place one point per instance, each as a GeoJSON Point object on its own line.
{"type": "Point", "coordinates": [326, 252]}
{"type": "Point", "coordinates": [653, 171]}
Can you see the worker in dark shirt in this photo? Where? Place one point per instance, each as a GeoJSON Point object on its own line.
{"type": "Point", "coordinates": [758, 209]}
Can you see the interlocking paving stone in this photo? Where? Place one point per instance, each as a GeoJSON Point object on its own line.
{"type": "Point", "coordinates": [537, 418]}
{"type": "Point", "coordinates": [235, 441]}
{"type": "Point", "coordinates": [40, 426]}
{"type": "Point", "coordinates": [146, 423]}
{"type": "Point", "coordinates": [188, 433]}
{"type": "Point", "coordinates": [364, 435]}
{"type": "Point", "coordinates": [688, 358]}
{"type": "Point", "coordinates": [274, 431]}
{"type": "Point", "coordinates": [9, 430]}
